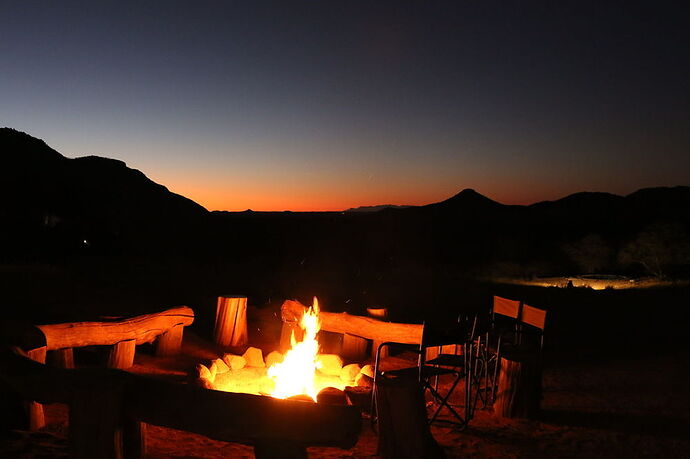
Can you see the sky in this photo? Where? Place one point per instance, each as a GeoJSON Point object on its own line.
{"type": "Point", "coordinates": [328, 105]}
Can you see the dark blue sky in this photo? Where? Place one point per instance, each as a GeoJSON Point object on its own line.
{"type": "Point", "coordinates": [328, 105]}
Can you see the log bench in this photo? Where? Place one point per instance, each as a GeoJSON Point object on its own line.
{"type": "Point", "coordinates": [122, 334]}
{"type": "Point", "coordinates": [108, 406]}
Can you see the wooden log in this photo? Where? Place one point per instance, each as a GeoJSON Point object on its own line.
{"type": "Point", "coordinates": [63, 358]}
{"type": "Point", "coordinates": [122, 354]}
{"type": "Point", "coordinates": [264, 420]}
{"type": "Point", "coordinates": [231, 321]}
{"type": "Point", "coordinates": [519, 386]}
{"type": "Point", "coordinates": [142, 329]}
{"type": "Point", "coordinates": [402, 421]}
{"type": "Point", "coordinates": [133, 438]}
{"type": "Point", "coordinates": [35, 409]}
{"type": "Point", "coordinates": [289, 328]}
{"type": "Point", "coordinates": [354, 347]}
{"type": "Point", "coordinates": [364, 327]}
{"type": "Point", "coordinates": [170, 342]}
{"type": "Point", "coordinates": [95, 420]}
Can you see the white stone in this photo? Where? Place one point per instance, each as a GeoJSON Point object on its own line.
{"type": "Point", "coordinates": [254, 357]}
{"type": "Point", "coordinates": [273, 358]}
{"type": "Point", "coordinates": [235, 362]}
{"type": "Point", "coordinates": [221, 366]}
{"type": "Point", "coordinates": [368, 370]}
{"type": "Point", "coordinates": [329, 364]}
{"type": "Point", "coordinates": [350, 372]}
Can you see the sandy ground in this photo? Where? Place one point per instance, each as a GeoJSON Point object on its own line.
{"type": "Point", "coordinates": [635, 407]}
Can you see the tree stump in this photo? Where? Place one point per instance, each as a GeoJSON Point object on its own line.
{"type": "Point", "coordinates": [170, 342]}
{"type": "Point", "coordinates": [402, 422]}
{"type": "Point", "coordinates": [231, 321]}
{"type": "Point", "coordinates": [519, 385]}
{"type": "Point", "coordinates": [354, 347]}
{"type": "Point", "coordinates": [122, 354]}
{"type": "Point", "coordinates": [63, 358]}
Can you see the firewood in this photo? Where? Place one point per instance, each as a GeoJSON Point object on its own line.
{"type": "Point", "coordinates": [231, 321]}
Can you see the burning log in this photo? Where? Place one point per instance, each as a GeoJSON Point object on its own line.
{"type": "Point", "coordinates": [235, 362]}
{"type": "Point", "coordinates": [231, 321]}
{"type": "Point", "coordinates": [254, 357]}
{"type": "Point", "coordinates": [364, 327]}
{"type": "Point", "coordinates": [519, 386]}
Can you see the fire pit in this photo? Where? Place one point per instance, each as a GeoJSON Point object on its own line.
{"type": "Point", "coordinates": [300, 373]}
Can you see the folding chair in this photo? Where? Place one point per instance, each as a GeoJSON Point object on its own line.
{"type": "Point", "coordinates": [505, 325]}
{"type": "Point", "coordinates": [532, 322]}
{"type": "Point", "coordinates": [460, 366]}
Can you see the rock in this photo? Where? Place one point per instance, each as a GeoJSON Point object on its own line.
{"type": "Point", "coordinates": [204, 372]}
{"type": "Point", "coordinates": [273, 358]}
{"type": "Point", "coordinates": [350, 372]}
{"type": "Point", "coordinates": [363, 380]}
{"type": "Point", "coordinates": [329, 364]}
{"type": "Point", "coordinates": [205, 383]}
{"type": "Point", "coordinates": [254, 357]}
{"type": "Point", "coordinates": [368, 370]}
{"type": "Point", "coordinates": [301, 398]}
{"type": "Point", "coordinates": [234, 362]}
{"type": "Point", "coordinates": [221, 366]}
{"type": "Point", "coordinates": [332, 396]}
{"type": "Point", "coordinates": [213, 368]}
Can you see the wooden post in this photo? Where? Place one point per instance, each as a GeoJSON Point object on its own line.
{"type": "Point", "coordinates": [170, 342]}
{"type": "Point", "coordinates": [133, 439]}
{"type": "Point", "coordinates": [63, 358]}
{"type": "Point", "coordinates": [354, 347]}
{"type": "Point", "coordinates": [402, 420]}
{"type": "Point", "coordinates": [519, 386]}
{"type": "Point", "coordinates": [378, 313]}
{"type": "Point", "coordinates": [231, 321]}
{"type": "Point", "coordinates": [122, 354]}
{"type": "Point", "coordinates": [35, 410]}
{"type": "Point", "coordinates": [95, 422]}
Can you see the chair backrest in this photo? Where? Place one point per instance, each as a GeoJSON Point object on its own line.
{"type": "Point", "coordinates": [505, 307]}
{"type": "Point", "coordinates": [448, 339]}
{"type": "Point", "coordinates": [533, 316]}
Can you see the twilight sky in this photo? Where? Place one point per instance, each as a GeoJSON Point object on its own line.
{"type": "Point", "coordinates": [326, 105]}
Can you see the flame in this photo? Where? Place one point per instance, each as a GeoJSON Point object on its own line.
{"type": "Point", "coordinates": [296, 373]}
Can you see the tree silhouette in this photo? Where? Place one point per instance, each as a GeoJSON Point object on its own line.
{"type": "Point", "coordinates": [591, 253]}
{"type": "Point", "coordinates": [658, 248]}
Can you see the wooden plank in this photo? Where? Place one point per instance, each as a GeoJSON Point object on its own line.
{"type": "Point", "coordinates": [142, 329]}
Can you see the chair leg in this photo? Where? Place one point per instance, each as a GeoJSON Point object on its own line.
{"type": "Point", "coordinates": [443, 401]}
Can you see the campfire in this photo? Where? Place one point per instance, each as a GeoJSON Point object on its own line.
{"type": "Point", "coordinates": [301, 373]}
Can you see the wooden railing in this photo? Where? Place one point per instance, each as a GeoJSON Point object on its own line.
{"type": "Point", "coordinates": [108, 407]}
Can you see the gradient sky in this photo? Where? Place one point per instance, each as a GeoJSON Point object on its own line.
{"type": "Point", "coordinates": [327, 105]}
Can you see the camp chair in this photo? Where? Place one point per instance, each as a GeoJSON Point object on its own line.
{"type": "Point", "coordinates": [504, 327]}
{"type": "Point", "coordinates": [458, 365]}
{"type": "Point", "coordinates": [532, 322]}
